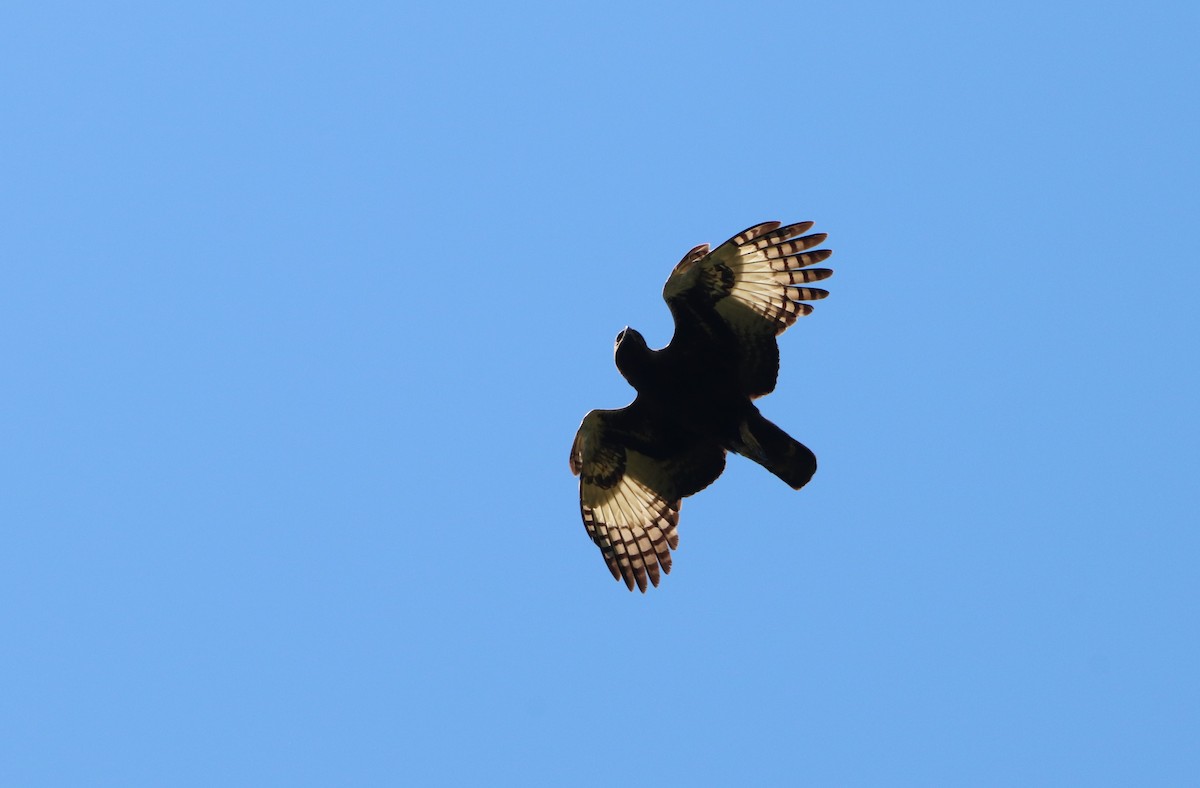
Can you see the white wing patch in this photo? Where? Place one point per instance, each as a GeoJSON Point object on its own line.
{"type": "Point", "coordinates": [633, 526]}
{"type": "Point", "coordinates": [765, 268]}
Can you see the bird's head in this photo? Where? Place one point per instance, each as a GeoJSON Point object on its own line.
{"type": "Point", "coordinates": [630, 339]}
{"type": "Point", "coordinates": [630, 352]}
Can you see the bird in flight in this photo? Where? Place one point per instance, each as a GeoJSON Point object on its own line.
{"type": "Point", "coordinates": [695, 396]}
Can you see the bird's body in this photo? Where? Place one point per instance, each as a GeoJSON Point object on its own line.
{"type": "Point", "coordinates": [694, 399]}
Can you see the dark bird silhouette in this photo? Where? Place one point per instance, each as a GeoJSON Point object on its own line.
{"type": "Point", "coordinates": [695, 396]}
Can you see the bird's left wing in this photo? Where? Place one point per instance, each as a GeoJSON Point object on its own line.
{"type": "Point", "coordinates": [632, 476]}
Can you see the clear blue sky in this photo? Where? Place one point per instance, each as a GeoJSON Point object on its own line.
{"type": "Point", "coordinates": [301, 305]}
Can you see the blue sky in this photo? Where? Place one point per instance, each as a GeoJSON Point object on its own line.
{"type": "Point", "coordinates": [301, 305]}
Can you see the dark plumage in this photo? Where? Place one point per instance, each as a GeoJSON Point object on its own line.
{"type": "Point", "coordinates": [694, 398]}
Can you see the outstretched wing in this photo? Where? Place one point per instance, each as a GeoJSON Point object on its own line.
{"type": "Point", "coordinates": [747, 291]}
{"type": "Point", "coordinates": [632, 474]}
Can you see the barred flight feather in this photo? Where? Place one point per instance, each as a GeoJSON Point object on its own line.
{"type": "Point", "coordinates": [800, 276]}
{"type": "Point", "coordinates": [633, 526]}
{"type": "Point", "coordinates": [750, 233]}
{"type": "Point", "coordinates": [766, 265]}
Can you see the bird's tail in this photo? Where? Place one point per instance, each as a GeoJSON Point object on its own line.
{"type": "Point", "coordinates": [775, 450]}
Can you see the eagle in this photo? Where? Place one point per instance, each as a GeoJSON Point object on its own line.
{"type": "Point", "coordinates": [695, 396]}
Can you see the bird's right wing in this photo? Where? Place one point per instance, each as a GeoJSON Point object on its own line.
{"type": "Point", "coordinates": [632, 476]}
{"type": "Point", "coordinates": [746, 292]}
